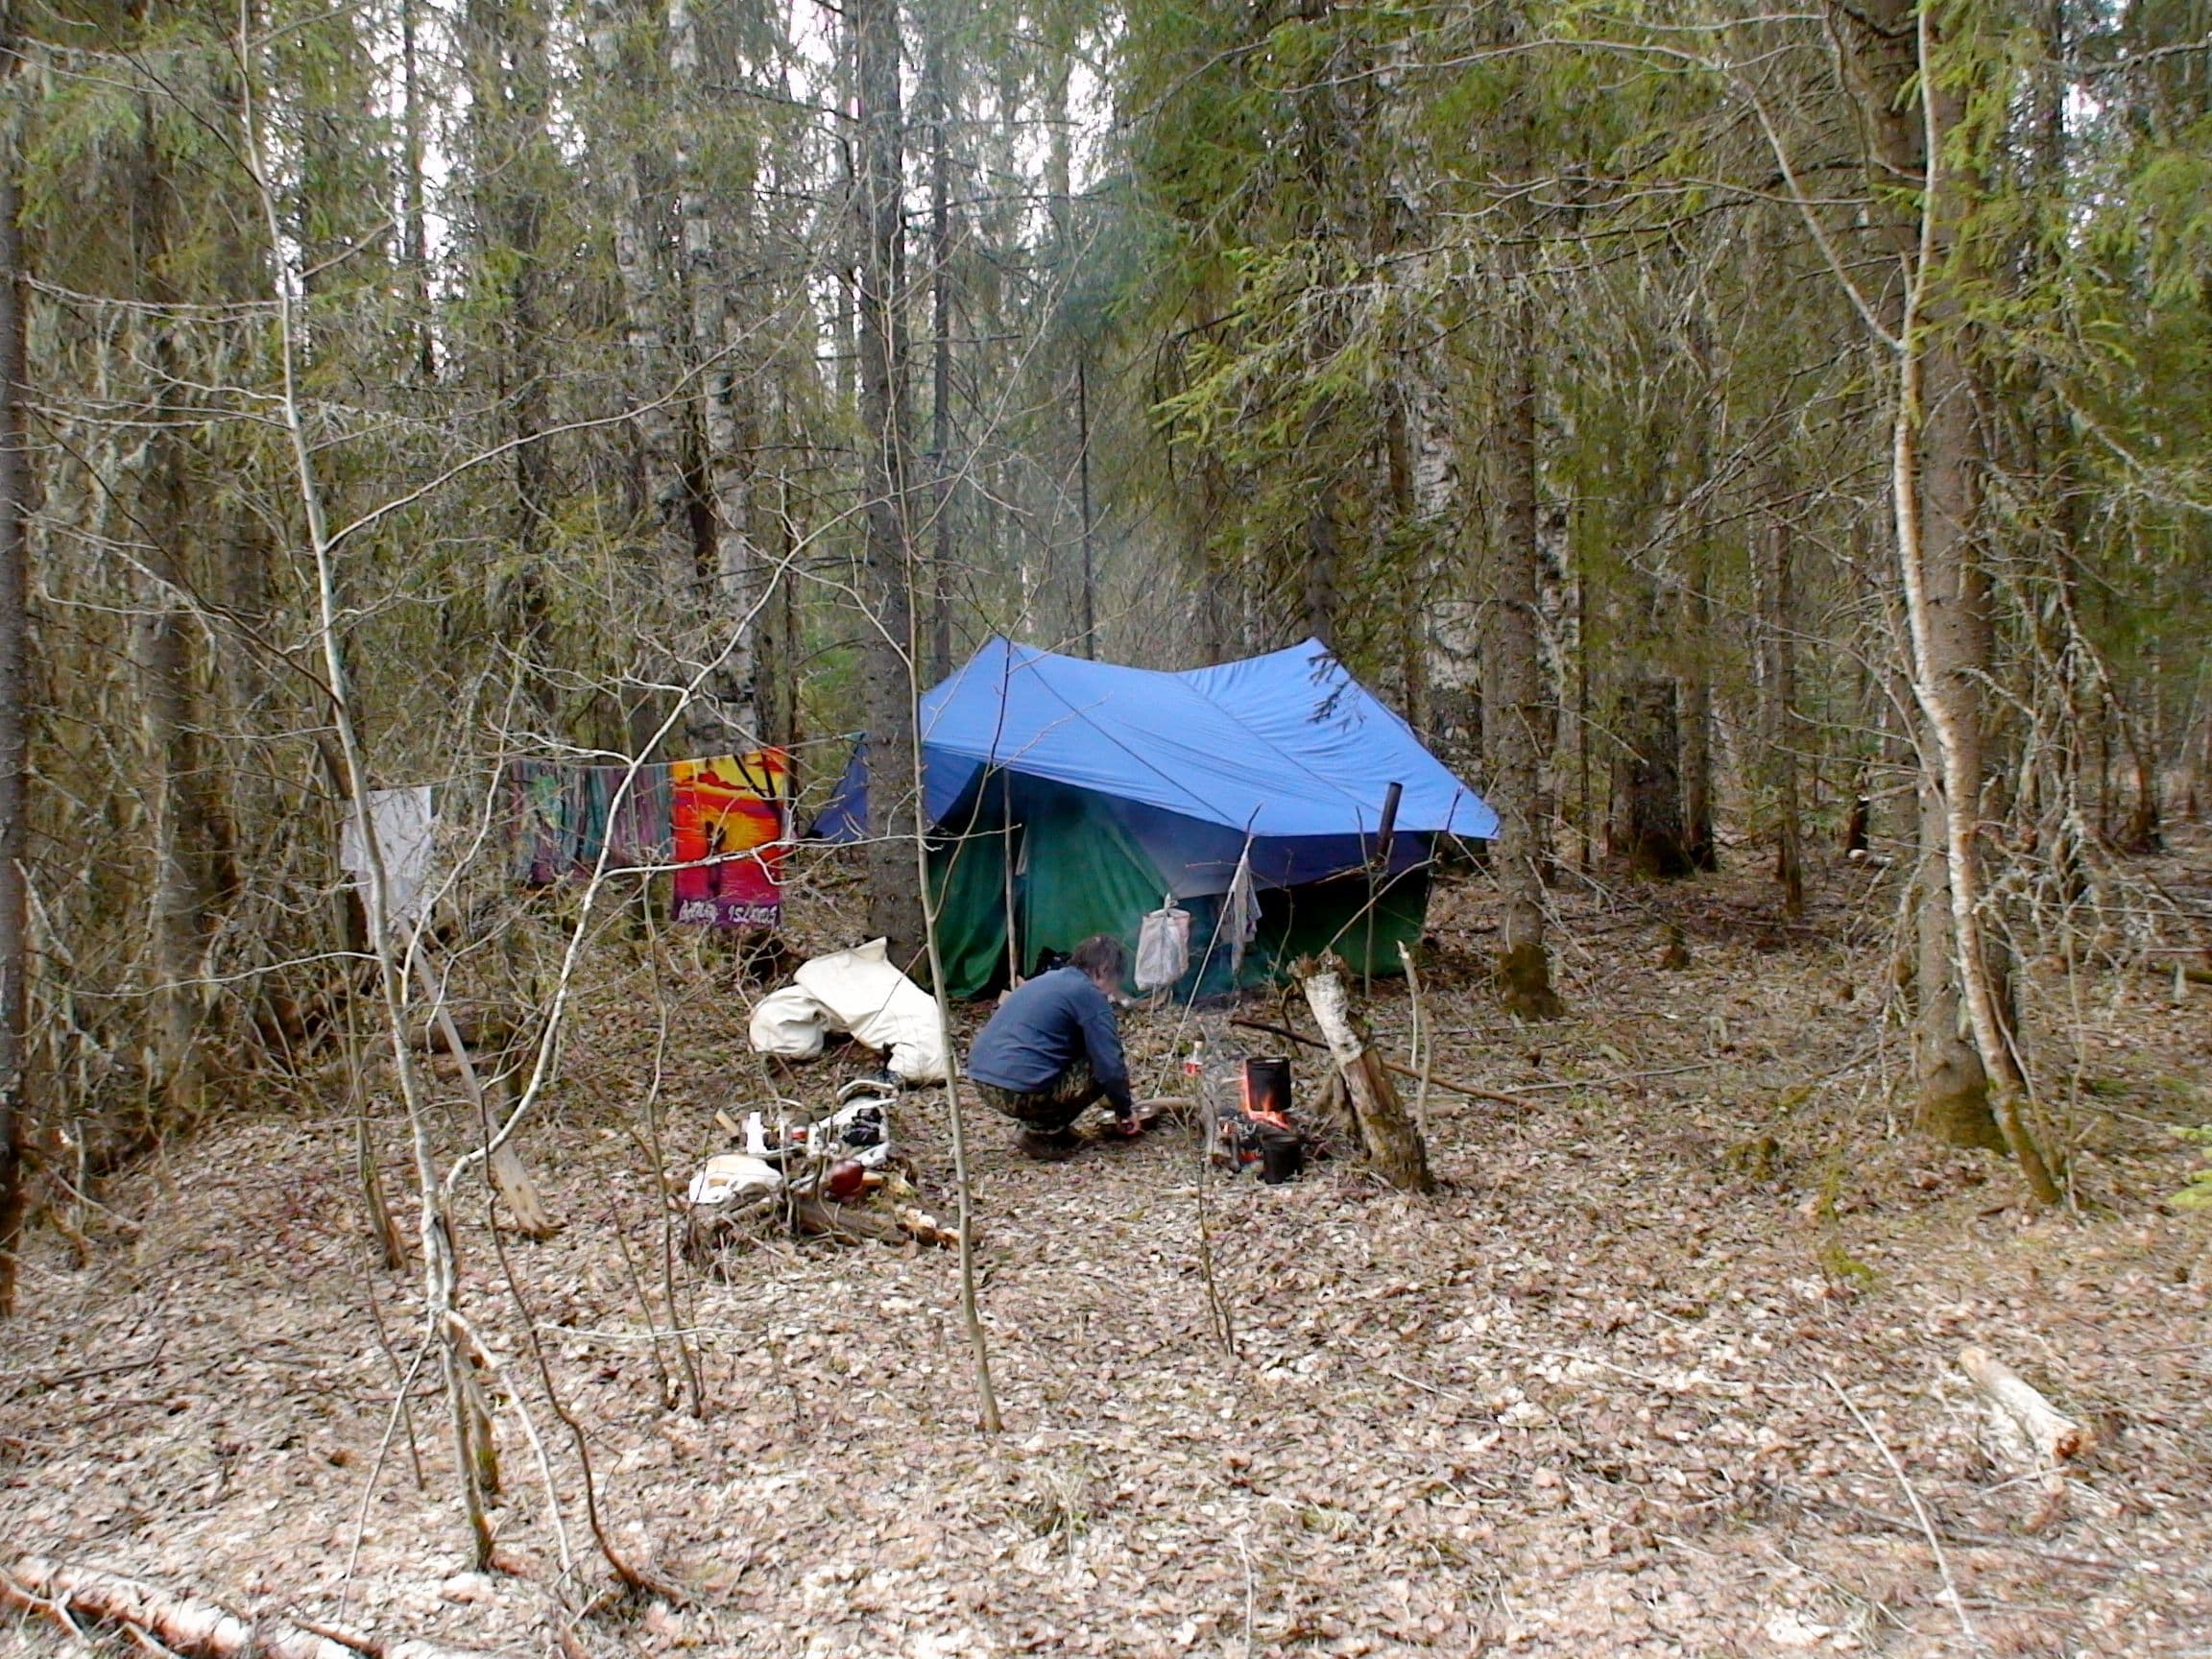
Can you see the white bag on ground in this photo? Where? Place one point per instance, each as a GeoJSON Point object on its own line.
{"type": "Point", "coordinates": [789, 1023]}
{"type": "Point", "coordinates": [732, 1175]}
{"type": "Point", "coordinates": [881, 1008]}
{"type": "Point", "coordinates": [1163, 946]}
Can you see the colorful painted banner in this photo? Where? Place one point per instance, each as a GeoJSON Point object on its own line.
{"type": "Point", "coordinates": [730, 816]}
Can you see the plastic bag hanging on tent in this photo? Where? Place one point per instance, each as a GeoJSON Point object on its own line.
{"type": "Point", "coordinates": [1163, 946]}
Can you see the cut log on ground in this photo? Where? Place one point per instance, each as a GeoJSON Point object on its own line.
{"type": "Point", "coordinates": [832, 1220]}
{"type": "Point", "coordinates": [712, 1228]}
{"type": "Point", "coordinates": [1393, 1143]}
{"type": "Point", "coordinates": [2052, 1438]}
{"type": "Point", "coordinates": [521, 1195]}
{"type": "Point", "coordinates": [200, 1629]}
{"type": "Point", "coordinates": [709, 1229]}
{"type": "Point", "coordinates": [2054, 1435]}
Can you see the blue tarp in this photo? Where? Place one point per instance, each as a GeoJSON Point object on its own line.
{"type": "Point", "coordinates": [1286, 749]}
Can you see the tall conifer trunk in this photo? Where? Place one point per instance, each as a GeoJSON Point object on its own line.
{"type": "Point", "coordinates": [1648, 829]}
{"type": "Point", "coordinates": [732, 688]}
{"type": "Point", "coordinates": [14, 718]}
{"type": "Point", "coordinates": [941, 356]}
{"type": "Point", "coordinates": [662, 482]}
{"type": "Point", "coordinates": [1775, 583]}
{"type": "Point", "coordinates": [1515, 717]}
{"type": "Point", "coordinates": [1695, 614]}
{"type": "Point", "coordinates": [894, 899]}
{"type": "Point", "coordinates": [190, 851]}
{"type": "Point", "coordinates": [507, 71]}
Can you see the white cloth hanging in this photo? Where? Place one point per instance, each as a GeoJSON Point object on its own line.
{"type": "Point", "coordinates": [406, 835]}
{"type": "Point", "coordinates": [1240, 911]}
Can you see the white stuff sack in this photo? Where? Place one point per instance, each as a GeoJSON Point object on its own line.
{"type": "Point", "coordinates": [1163, 946]}
{"type": "Point", "coordinates": [790, 1024]}
{"type": "Point", "coordinates": [880, 1006]}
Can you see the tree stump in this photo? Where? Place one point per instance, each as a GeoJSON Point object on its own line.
{"type": "Point", "coordinates": [524, 1202]}
{"type": "Point", "coordinates": [1394, 1146]}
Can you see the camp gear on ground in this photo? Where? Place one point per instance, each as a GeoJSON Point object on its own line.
{"type": "Point", "coordinates": [861, 1130]}
{"type": "Point", "coordinates": [732, 1175]}
{"type": "Point", "coordinates": [789, 1024]}
{"type": "Point", "coordinates": [856, 991]}
{"type": "Point", "coordinates": [1252, 1128]}
{"type": "Point", "coordinates": [865, 995]}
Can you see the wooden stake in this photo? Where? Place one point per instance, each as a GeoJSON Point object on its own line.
{"type": "Point", "coordinates": [1424, 1053]}
{"type": "Point", "coordinates": [1394, 1146]}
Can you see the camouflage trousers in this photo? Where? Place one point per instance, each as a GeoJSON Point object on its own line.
{"type": "Point", "coordinates": [1052, 1109]}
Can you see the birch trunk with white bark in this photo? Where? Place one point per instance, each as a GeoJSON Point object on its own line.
{"type": "Point", "coordinates": [1935, 458]}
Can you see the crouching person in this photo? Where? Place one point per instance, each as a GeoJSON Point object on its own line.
{"type": "Point", "coordinates": [1054, 1049]}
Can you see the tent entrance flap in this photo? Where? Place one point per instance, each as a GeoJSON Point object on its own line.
{"type": "Point", "coordinates": [1075, 870]}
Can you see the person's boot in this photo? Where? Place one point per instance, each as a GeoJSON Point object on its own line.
{"type": "Point", "coordinates": [1048, 1146]}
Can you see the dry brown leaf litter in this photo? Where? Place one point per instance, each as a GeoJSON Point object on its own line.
{"type": "Point", "coordinates": [1585, 1401]}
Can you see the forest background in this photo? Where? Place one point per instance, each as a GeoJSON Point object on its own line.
{"type": "Point", "coordinates": [1718, 431]}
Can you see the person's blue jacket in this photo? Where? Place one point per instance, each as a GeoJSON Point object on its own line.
{"type": "Point", "coordinates": [1041, 1028]}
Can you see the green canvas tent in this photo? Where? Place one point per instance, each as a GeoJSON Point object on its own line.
{"type": "Point", "coordinates": [1068, 798]}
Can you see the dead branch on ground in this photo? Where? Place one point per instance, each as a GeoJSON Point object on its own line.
{"type": "Point", "coordinates": [2051, 1436]}
{"type": "Point", "coordinates": [198, 1629]}
{"type": "Point", "coordinates": [1468, 1089]}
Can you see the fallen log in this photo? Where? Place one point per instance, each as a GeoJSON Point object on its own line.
{"type": "Point", "coordinates": [524, 1202]}
{"type": "Point", "coordinates": [1468, 1089]}
{"type": "Point", "coordinates": [2054, 1435]}
{"type": "Point", "coordinates": [198, 1630]}
{"type": "Point", "coordinates": [1394, 1146]}
{"type": "Point", "coordinates": [2051, 1436]}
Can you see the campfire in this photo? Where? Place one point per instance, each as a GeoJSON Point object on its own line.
{"type": "Point", "coordinates": [1252, 1128]}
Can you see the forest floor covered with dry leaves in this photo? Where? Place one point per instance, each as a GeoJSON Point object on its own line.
{"type": "Point", "coordinates": [1669, 1366]}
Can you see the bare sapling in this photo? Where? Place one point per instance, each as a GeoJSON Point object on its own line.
{"type": "Point", "coordinates": [14, 723]}
{"type": "Point", "coordinates": [440, 1266]}
{"type": "Point", "coordinates": [971, 1314]}
{"type": "Point", "coordinates": [1938, 690]}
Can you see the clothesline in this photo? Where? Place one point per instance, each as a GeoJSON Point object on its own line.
{"type": "Point", "coordinates": [719, 826]}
